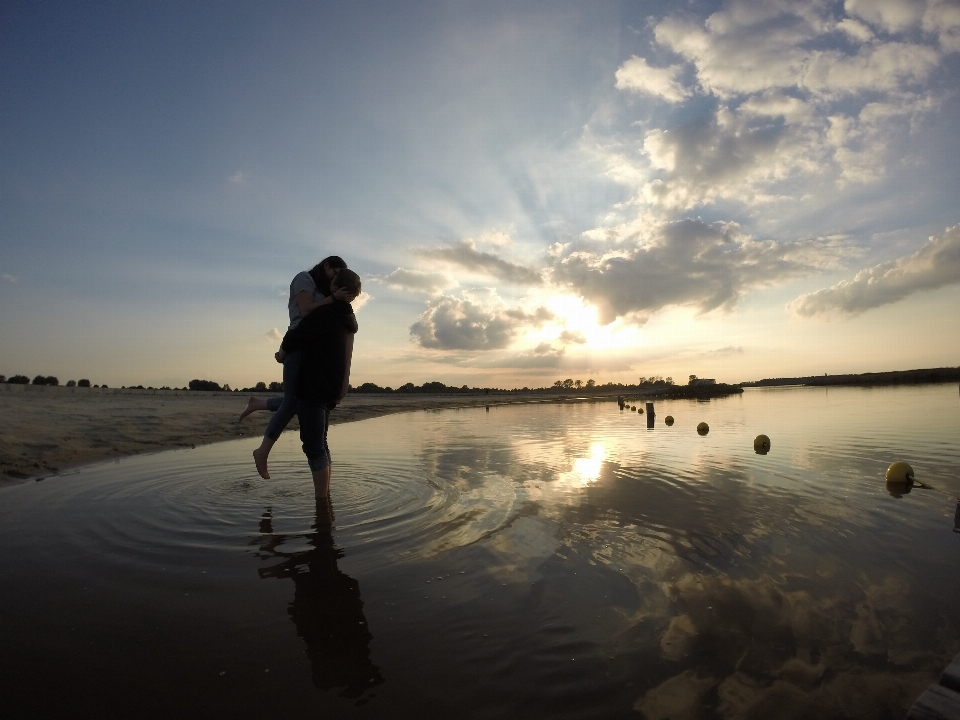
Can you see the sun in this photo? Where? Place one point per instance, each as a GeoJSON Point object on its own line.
{"type": "Point", "coordinates": [575, 316]}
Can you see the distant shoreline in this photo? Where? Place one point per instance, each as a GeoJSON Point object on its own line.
{"type": "Point", "coordinates": [927, 376]}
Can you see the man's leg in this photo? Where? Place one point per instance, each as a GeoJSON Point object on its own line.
{"type": "Point", "coordinates": [321, 483]}
{"type": "Point", "coordinates": [313, 435]}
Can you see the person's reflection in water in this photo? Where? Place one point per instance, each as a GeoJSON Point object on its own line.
{"type": "Point", "coordinates": [326, 609]}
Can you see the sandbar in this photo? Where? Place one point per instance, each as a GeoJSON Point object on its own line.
{"type": "Point", "coordinates": [47, 430]}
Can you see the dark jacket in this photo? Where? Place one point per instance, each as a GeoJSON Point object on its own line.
{"type": "Point", "coordinates": [322, 337]}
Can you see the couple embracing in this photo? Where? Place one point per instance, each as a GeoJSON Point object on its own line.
{"type": "Point", "coordinates": [316, 353]}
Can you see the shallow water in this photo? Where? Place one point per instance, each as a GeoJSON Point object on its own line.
{"type": "Point", "coordinates": [559, 561]}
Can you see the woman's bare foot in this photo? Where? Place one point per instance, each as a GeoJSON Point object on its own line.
{"type": "Point", "coordinates": [260, 458]}
{"type": "Point", "coordinates": [253, 404]}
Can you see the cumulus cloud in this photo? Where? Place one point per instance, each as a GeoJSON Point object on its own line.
{"type": "Point", "coordinates": [727, 154]}
{"type": "Point", "coordinates": [572, 337]}
{"type": "Point", "coordinates": [943, 19]}
{"type": "Point", "coordinates": [855, 30]}
{"type": "Point", "coordinates": [935, 265]}
{"type": "Point", "coordinates": [636, 75]}
{"type": "Point", "coordinates": [796, 90]}
{"type": "Point", "coordinates": [451, 323]}
{"type": "Point", "coordinates": [274, 335]}
{"type": "Point", "coordinates": [464, 254]}
{"type": "Point", "coordinates": [362, 299]}
{"type": "Point", "coordinates": [891, 15]}
{"type": "Point", "coordinates": [418, 281]}
{"type": "Point", "coordinates": [10, 278]}
{"type": "Point", "coordinates": [725, 351]}
{"type": "Point", "coordinates": [691, 263]}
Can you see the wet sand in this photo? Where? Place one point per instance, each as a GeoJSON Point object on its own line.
{"type": "Point", "coordinates": [46, 430]}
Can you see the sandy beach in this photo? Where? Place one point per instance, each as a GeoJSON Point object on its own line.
{"type": "Point", "coordinates": [47, 430]}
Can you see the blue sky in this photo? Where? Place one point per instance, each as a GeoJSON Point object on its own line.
{"type": "Point", "coordinates": [530, 191]}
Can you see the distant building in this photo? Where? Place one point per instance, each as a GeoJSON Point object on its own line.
{"type": "Point", "coordinates": [704, 381]}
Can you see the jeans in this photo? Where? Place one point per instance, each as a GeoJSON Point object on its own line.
{"type": "Point", "coordinates": [314, 420]}
{"type": "Point", "coordinates": [286, 407]}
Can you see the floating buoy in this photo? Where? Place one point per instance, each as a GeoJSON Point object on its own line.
{"type": "Point", "coordinates": [761, 444]}
{"type": "Point", "coordinates": [640, 411]}
{"type": "Point", "coordinates": [703, 428]}
{"type": "Point", "coordinates": [633, 407]}
{"type": "Point", "coordinates": [668, 420]}
{"type": "Point", "coordinates": [900, 473]}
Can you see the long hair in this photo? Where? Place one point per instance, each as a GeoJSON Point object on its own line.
{"type": "Point", "coordinates": [320, 277]}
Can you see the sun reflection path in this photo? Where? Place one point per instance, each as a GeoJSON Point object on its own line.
{"type": "Point", "coordinates": [587, 470]}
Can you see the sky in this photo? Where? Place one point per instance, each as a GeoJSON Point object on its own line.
{"type": "Point", "coordinates": [530, 191]}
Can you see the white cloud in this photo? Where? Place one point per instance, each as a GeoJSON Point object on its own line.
{"type": "Point", "coordinates": [725, 351]}
{"type": "Point", "coordinates": [795, 104]}
{"type": "Point", "coordinates": [237, 178]}
{"type": "Point", "coordinates": [10, 278]}
{"type": "Point", "coordinates": [686, 263]}
{"type": "Point", "coordinates": [855, 29]}
{"type": "Point", "coordinates": [731, 154]}
{"type": "Point", "coordinates": [891, 15]}
{"type": "Point", "coordinates": [273, 335]}
{"type": "Point", "coordinates": [935, 265]}
{"type": "Point", "coordinates": [496, 238]}
{"type": "Point", "coordinates": [943, 20]}
{"type": "Point", "coordinates": [465, 255]}
{"type": "Point", "coordinates": [418, 281]}
{"type": "Point", "coordinates": [636, 75]}
{"type": "Point", "coordinates": [886, 67]}
{"type": "Point", "coordinates": [451, 323]}
{"type": "Point", "coordinates": [362, 299]}
{"type": "Point", "coordinates": [572, 337]}
{"type": "Point", "coordinates": [752, 49]}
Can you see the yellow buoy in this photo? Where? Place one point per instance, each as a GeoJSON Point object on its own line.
{"type": "Point", "coordinates": [899, 473]}
{"type": "Point", "coordinates": [703, 428]}
{"type": "Point", "coordinates": [668, 420]}
{"type": "Point", "coordinates": [761, 444]}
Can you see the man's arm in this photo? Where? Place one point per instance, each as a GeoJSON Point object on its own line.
{"type": "Point", "coordinates": [346, 367]}
{"type": "Point", "coordinates": [307, 304]}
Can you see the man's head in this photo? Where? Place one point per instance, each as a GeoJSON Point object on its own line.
{"type": "Point", "coordinates": [346, 280]}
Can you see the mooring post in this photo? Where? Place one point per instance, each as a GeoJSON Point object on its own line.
{"type": "Point", "coordinates": [650, 415]}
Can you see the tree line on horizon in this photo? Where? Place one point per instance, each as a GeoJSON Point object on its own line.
{"type": "Point", "coordinates": [368, 387]}
{"type": "Point", "coordinates": [44, 380]}
{"type": "Point", "coordinates": [895, 377]}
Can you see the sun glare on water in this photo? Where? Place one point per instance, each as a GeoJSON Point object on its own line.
{"type": "Point", "coordinates": [587, 470]}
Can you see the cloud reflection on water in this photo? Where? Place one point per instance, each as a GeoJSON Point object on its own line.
{"type": "Point", "coordinates": [756, 580]}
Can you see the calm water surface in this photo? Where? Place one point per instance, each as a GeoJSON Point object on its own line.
{"type": "Point", "coordinates": [558, 561]}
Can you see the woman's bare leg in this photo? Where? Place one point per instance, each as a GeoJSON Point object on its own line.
{"type": "Point", "coordinates": [253, 404]}
{"type": "Point", "coordinates": [260, 456]}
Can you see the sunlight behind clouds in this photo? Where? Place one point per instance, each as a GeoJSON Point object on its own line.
{"type": "Point", "coordinates": [603, 190]}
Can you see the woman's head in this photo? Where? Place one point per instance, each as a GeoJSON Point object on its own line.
{"type": "Point", "coordinates": [346, 280]}
{"type": "Point", "coordinates": [325, 270]}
